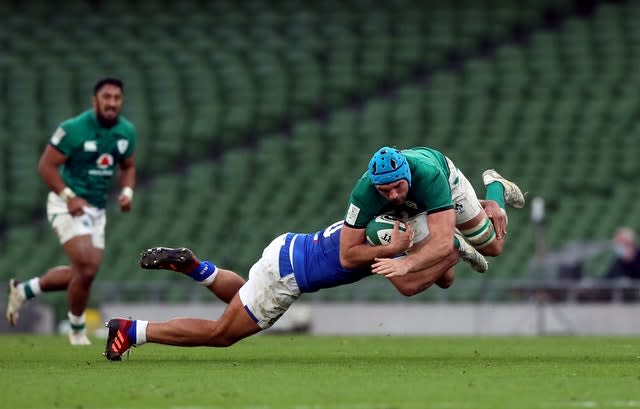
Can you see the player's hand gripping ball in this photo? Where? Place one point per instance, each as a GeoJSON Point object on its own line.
{"type": "Point", "coordinates": [379, 230]}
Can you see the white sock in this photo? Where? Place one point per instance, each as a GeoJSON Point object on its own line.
{"type": "Point", "coordinates": [77, 322]}
{"type": "Point", "coordinates": [141, 332]}
{"type": "Point", "coordinates": [30, 289]}
{"type": "Point", "coordinates": [209, 280]}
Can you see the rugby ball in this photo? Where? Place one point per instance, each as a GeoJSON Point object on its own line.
{"type": "Point", "coordinates": [379, 230]}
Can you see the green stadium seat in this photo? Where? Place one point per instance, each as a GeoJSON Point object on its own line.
{"type": "Point", "coordinates": [273, 90]}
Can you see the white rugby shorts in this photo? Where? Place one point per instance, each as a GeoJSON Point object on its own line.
{"type": "Point", "coordinates": [266, 295]}
{"type": "Point", "coordinates": [92, 222]}
{"type": "Point", "coordinates": [465, 200]}
{"type": "Point", "coordinates": [465, 203]}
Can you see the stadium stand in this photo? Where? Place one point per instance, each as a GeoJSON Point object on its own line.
{"type": "Point", "coordinates": [256, 117]}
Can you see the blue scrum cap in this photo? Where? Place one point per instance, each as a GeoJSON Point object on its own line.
{"type": "Point", "coordinates": [388, 165]}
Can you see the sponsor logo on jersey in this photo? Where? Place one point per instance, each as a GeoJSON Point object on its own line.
{"type": "Point", "coordinates": [123, 144]}
{"type": "Point", "coordinates": [101, 172]}
{"type": "Point", "coordinates": [90, 146]}
{"type": "Point", "coordinates": [352, 214]}
{"type": "Point", "coordinates": [105, 161]}
{"type": "Point", "coordinates": [57, 136]}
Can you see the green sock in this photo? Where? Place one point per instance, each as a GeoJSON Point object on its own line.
{"type": "Point", "coordinates": [456, 242]}
{"type": "Point", "coordinates": [495, 192]}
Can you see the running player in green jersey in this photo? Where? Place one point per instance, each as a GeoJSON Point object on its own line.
{"type": "Point", "coordinates": [78, 165]}
{"type": "Point", "coordinates": [424, 187]}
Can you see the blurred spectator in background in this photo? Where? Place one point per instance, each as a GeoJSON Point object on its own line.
{"type": "Point", "coordinates": [627, 262]}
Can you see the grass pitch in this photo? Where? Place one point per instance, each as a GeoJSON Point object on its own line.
{"type": "Point", "coordinates": [303, 372]}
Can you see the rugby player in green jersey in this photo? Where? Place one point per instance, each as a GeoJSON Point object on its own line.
{"type": "Point", "coordinates": [77, 165]}
{"type": "Point", "coordinates": [423, 187]}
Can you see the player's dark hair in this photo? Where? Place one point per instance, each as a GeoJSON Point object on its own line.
{"type": "Point", "coordinates": [108, 81]}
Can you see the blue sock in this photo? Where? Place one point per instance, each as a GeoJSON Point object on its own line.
{"type": "Point", "coordinates": [131, 332]}
{"type": "Point", "coordinates": [204, 271]}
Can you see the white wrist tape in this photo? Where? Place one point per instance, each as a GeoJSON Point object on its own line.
{"type": "Point", "coordinates": [128, 192]}
{"type": "Point", "coordinates": [67, 194]}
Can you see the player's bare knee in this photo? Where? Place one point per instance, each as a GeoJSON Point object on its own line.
{"type": "Point", "coordinates": [86, 271]}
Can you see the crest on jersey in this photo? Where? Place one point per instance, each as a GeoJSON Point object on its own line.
{"type": "Point", "coordinates": [123, 144]}
{"type": "Point", "coordinates": [105, 161]}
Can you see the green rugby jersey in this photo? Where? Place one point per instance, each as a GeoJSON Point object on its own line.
{"type": "Point", "coordinates": [92, 152]}
{"type": "Point", "coordinates": [429, 192]}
